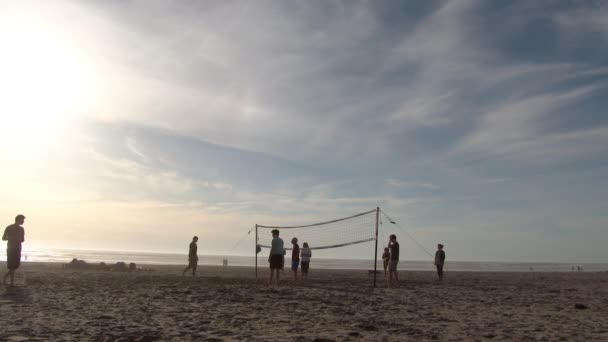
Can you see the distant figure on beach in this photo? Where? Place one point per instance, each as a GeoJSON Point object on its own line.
{"type": "Point", "coordinates": [393, 246]}
{"type": "Point", "coordinates": [439, 261]}
{"type": "Point", "coordinates": [305, 255]}
{"type": "Point", "coordinates": [385, 257]}
{"type": "Point", "coordinates": [192, 257]}
{"type": "Point", "coordinates": [276, 257]}
{"type": "Point", "coordinates": [295, 257]}
{"type": "Point", "coordinates": [14, 235]}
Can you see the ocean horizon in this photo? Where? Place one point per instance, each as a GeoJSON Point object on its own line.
{"type": "Point", "coordinates": [149, 258]}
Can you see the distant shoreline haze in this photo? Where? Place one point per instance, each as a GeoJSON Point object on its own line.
{"type": "Point", "coordinates": [149, 258]}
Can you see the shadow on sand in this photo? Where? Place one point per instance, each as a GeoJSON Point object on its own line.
{"type": "Point", "coordinates": [15, 294]}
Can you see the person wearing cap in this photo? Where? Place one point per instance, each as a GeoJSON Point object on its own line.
{"type": "Point", "coordinates": [439, 260]}
{"type": "Point", "coordinates": [295, 257]}
{"type": "Point", "coordinates": [275, 259]}
{"type": "Point", "coordinates": [14, 235]}
{"type": "Point", "coordinates": [192, 257]}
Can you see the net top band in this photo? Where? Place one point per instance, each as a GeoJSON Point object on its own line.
{"type": "Point", "coordinates": [317, 224]}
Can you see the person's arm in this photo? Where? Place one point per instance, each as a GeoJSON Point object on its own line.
{"type": "Point", "coordinates": [442, 257]}
{"type": "Point", "coordinates": [4, 237]}
{"type": "Point", "coordinates": [21, 235]}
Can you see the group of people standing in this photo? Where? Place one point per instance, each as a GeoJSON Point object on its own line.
{"type": "Point", "coordinates": [276, 258]}
{"type": "Point", "coordinates": [390, 259]}
{"type": "Point", "coordinates": [15, 236]}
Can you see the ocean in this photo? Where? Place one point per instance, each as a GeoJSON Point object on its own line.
{"type": "Point", "coordinates": [143, 258]}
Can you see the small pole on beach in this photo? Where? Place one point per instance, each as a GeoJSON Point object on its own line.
{"type": "Point", "coordinates": [376, 249]}
{"type": "Point", "coordinates": [256, 251]}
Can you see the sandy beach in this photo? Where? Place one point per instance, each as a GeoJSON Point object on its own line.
{"type": "Point", "coordinates": [227, 304]}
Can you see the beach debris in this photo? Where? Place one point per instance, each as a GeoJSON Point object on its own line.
{"type": "Point", "coordinates": [580, 306]}
{"type": "Point", "coordinates": [117, 267]}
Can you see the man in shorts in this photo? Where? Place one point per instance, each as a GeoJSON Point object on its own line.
{"type": "Point", "coordinates": [393, 247]}
{"type": "Point", "coordinates": [14, 235]}
{"type": "Point", "coordinates": [192, 257]}
{"type": "Point", "coordinates": [275, 259]}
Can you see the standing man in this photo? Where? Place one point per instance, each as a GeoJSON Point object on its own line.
{"type": "Point", "coordinates": [192, 257]}
{"type": "Point", "coordinates": [393, 247]}
{"type": "Point", "coordinates": [14, 235]}
{"type": "Point", "coordinates": [439, 260]}
{"type": "Point", "coordinates": [295, 257]}
{"type": "Point", "coordinates": [276, 256]}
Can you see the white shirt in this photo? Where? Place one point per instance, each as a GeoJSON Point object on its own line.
{"type": "Point", "coordinates": [305, 254]}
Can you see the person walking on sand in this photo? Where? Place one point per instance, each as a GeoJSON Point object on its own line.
{"type": "Point", "coordinates": [393, 276]}
{"type": "Point", "coordinates": [275, 259]}
{"type": "Point", "coordinates": [14, 235]}
{"type": "Point", "coordinates": [385, 258]}
{"type": "Point", "coordinates": [305, 255]}
{"type": "Point", "coordinates": [439, 261]}
{"type": "Point", "coordinates": [295, 257]}
{"type": "Point", "coordinates": [192, 257]}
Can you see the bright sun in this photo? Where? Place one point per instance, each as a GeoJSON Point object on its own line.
{"type": "Point", "coordinates": [43, 83]}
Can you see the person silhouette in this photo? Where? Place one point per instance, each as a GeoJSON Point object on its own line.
{"type": "Point", "coordinates": [439, 261]}
{"type": "Point", "coordinates": [192, 257]}
{"type": "Point", "coordinates": [14, 235]}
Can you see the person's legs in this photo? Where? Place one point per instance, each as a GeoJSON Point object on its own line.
{"type": "Point", "coordinates": [294, 268]}
{"type": "Point", "coordinates": [194, 270]}
{"type": "Point", "coordinates": [440, 272]}
{"type": "Point", "coordinates": [11, 274]}
{"type": "Point", "coordinates": [186, 270]}
{"type": "Point", "coordinates": [271, 276]}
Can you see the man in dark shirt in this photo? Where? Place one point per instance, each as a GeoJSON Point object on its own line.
{"type": "Point", "coordinates": [295, 258]}
{"type": "Point", "coordinates": [393, 247]}
{"type": "Point", "coordinates": [192, 257]}
{"type": "Point", "coordinates": [14, 235]}
{"type": "Point", "coordinates": [439, 260]}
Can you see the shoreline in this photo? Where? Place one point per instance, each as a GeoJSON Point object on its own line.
{"type": "Point", "coordinates": [403, 267]}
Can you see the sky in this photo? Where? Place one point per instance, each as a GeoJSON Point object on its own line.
{"type": "Point", "coordinates": [134, 125]}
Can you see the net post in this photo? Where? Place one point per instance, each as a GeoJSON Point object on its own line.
{"type": "Point", "coordinates": [256, 252]}
{"type": "Point", "coordinates": [376, 248]}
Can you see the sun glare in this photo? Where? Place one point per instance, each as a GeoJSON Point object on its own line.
{"type": "Point", "coordinates": [43, 83]}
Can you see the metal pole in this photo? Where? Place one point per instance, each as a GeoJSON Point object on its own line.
{"type": "Point", "coordinates": [376, 250]}
{"type": "Point", "coordinates": [256, 251]}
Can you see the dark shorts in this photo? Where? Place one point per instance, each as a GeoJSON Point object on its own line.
{"type": "Point", "coordinates": [13, 258]}
{"type": "Point", "coordinates": [305, 265]}
{"type": "Point", "coordinates": [294, 264]}
{"type": "Point", "coordinates": [392, 265]}
{"type": "Point", "coordinates": [192, 263]}
{"type": "Point", "coordinates": [276, 261]}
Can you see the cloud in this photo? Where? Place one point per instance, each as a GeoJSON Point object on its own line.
{"type": "Point", "coordinates": [404, 184]}
{"type": "Point", "coordinates": [515, 129]}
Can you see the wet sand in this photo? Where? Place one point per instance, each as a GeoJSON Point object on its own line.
{"type": "Point", "coordinates": [227, 304]}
